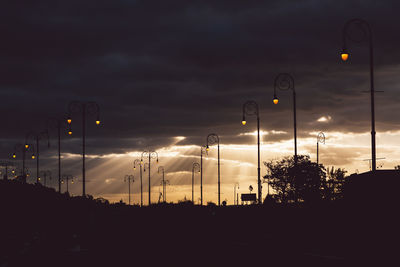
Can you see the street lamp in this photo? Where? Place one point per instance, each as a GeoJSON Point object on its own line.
{"type": "Point", "coordinates": [55, 123]}
{"type": "Point", "coordinates": [161, 169]}
{"type": "Point", "coordinates": [214, 139]}
{"type": "Point", "coordinates": [320, 139]}
{"type": "Point", "coordinates": [195, 167]}
{"type": "Point", "coordinates": [251, 108]}
{"type": "Point", "coordinates": [66, 178]}
{"type": "Point", "coordinates": [128, 178]}
{"type": "Point", "coordinates": [23, 149]}
{"type": "Point", "coordinates": [83, 107]}
{"type": "Point", "coordinates": [138, 162]}
{"type": "Point", "coordinates": [284, 82]}
{"type": "Point", "coordinates": [37, 137]}
{"type": "Point", "coordinates": [150, 155]}
{"type": "Point", "coordinates": [45, 174]}
{"type": "Point", "coordinates": [366, 29]}
{"type": "Point", "coordinates": [6, 165]}
{"type": "Point", "coordinates": [203, 151]}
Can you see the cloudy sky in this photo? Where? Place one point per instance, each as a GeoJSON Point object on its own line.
{"type": "Point", "coordinates": [167, 73]}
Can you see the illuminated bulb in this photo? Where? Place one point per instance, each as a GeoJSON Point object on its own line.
{"type": "Point", "coordinates": [208, 149]}
{"type": "Point", "coordinates": [14, 156]}
{"type": "Point", "coordinates": [98, 122]}
{"type": "Point", "coordinates": [69, 120]}
{"type": "Point", "coordinates": [243, 122]}
{"type": "Point", "coordinates": [26, 146]}
{"type": "Point", "coordinates": [38, 178]}
{"type": "Point", "coordinates": [12, 171]}
{"type": "Point", "coordinates": [33, 156]}
{"type": "Point", "coordinates": [275, 100]}
{"type": "Point", "coordinates": [70, 132]}
{"type": "Point", "coordinates": [345, 56]}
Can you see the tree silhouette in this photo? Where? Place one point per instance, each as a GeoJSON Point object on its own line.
{"type": "Point", "coordinates": [304, 178]}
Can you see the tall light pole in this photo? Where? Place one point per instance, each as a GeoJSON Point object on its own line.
{"type": "Point", "coordinates": [284, 81]}
{"type": "Point", "coordinates": [58, 124]}
{"type": "Point", "coordinates": [320, 139]}
{"type": "Point", "coordinates": [128, 178]}
{"type": "Point", "coordinates": [37, 137]}
{"type": "Point", "coordinates": [214, 139]}
{"type": "Point", "coordinates": [149, 154]}
{"type": "Point", "coordinates": [195, 167]}
{"type": "Point", "coordinates": [203, 151]}
{"type": "Point", "coordinates": [137, 162]}
{"type": "Point", "coordinates": [66, 178]}
{"type": "Point", "coordinates": [83, 107]}
{"type": "Point", "coordinates": [161, 169]}
{"type": "Point", "coordinates": [366, 29]}
{"type": "Point", "coordinates": [23, 148]}
{"type": "Point", "coordinates": [251, 108]}
{"type": "Point", "coordinates": [45, 175]}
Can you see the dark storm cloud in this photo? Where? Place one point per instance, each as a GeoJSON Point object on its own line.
{"type": "Point", "coordinates": [161, 69]}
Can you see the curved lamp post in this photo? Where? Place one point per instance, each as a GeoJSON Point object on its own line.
{"type": "Point", "coordinates": [83, 107]}
{"type": "Point", "coordinates": [203, 151]}
{"type": "Point", "coordinates": [66, 178]}
{"type": "Point", "coordinates": [195, 167]}
{"type": "Point", "coordinates": [135, 163]}
{"type": "Point", "coordinates": [128, 178]}
{"type": "Point", "coordinates": [214, 139]}
{"type": "Point", "coordinates": [150, 155]}
{"type": "Point", "coordinates": [161, 169]}
{"type": "Point", "coordinates": [37, 137]}
{"type": "Point", "coordinates": [320, 139]}
{"type": "Point", "coordinates": [45, 175]}
{"type": "Point", "coordinates": [284, 81]}
{"type": "Point", "coordinates": [23, 148]}
{"type": "Point", "coordinates": [251, 108]}
{"type": "Point", "coordinates": [55, 123]}
{"type": "Point", "coordinates": [366, 29]}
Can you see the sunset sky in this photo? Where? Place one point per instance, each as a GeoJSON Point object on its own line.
{"type": "Point", "coordinates": [167, 73]}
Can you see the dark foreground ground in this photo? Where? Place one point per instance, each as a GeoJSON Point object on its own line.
{"type": "Point", "coordinates": [40, 227]}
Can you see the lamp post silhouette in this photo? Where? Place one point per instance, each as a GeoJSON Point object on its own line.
{"type": "Point", "coordinates": [45, 174]}
{"type": "Point", "coordinates": [195, 167]}
{"type": "Point", "coordinates": [236, 195]}
{"type": "Point", "coordinates": [55, 123]}
{"type": "Point", "coordinates": [251, 108]}
{"type": "Point", "coordinates": [137, 162]}
{"type": "Point", "coordinates": [66, 178]}
{"type": "Point", "coordinates": [164, 185]}
{"type": "Point", "coordinates": [284, 82]}
{"type": "Point", "coordinates": [149, 154]}
{"type": "Point", "coordinates": [128, 178]}
{"type": "Point", "coordinates": [83, 107]}
{"type": "Point", "coordinates": [37, 137]}
{"type": "Point", "coordinates": [161, 169]}
{"type": "Point", "coordinates": [366, 29]}
{"type": "Point", "coordinates": [6, 165]}
{"type": "Point", "coordinates": [320, 139]}
{"type": "Point", "coordinates": [214, 139]}
{"type": "Point", "coordinates": [23, 148]}
{"type": "Point", "coordinates": [203, 151]}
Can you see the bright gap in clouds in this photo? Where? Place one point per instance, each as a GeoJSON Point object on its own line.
{"type": "Point", "coordinates": [106, 173]}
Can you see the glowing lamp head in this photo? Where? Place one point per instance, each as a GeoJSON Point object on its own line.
{"type": "Point", "coordinates": [69, 120]}
{"type": "Point", "coordinates": [275, 100]}
{"type": "Point", "coordinates": [207, 148]}
{"type": "Point", "coordinates": [14, 156]}
{"type": "Point", "coordinates": [12, 171]}
{"type": "Point", "coordinates": [244, 120]}
{"type": "Point", "coordinates": [72, 181]}
{"type": "Point", "coordinates": [70, 132]}
{"type": "Point", "coordinates": [26, 146]}
{"type": "Point", "coordinates": [33, 156]}
{"type": "Point", "coordinates": [38, 178]}
{"type": "Point", "coordinates": [345, 56]}
{"type": "Point", "coordinates": [134, 168]}
{"type": "Point", "coordinates": [98, 122]}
